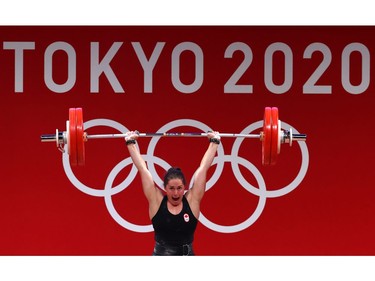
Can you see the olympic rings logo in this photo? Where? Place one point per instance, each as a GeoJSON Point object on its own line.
{"type": "Point", "coordinates": [234, 159]}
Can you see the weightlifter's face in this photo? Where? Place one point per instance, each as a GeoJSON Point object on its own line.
{"type": "Point", "coordinates": [175, 190]}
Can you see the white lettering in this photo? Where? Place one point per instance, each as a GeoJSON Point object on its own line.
{"type": "Point", "coordinates": [48, 70]}
{"type": "Point", "coordinates": [311, 87]}
{"type": "Point", "coordinates": [148, 65]}
{"type": "Point", "coordinates": [18, 48]}
{"type": "Point", "coordinates": [345, 69]}
{"type": "Point", "coordinates": [97, 68]}
{"type": "Point", "coordinates": [198, 81]}
{"type": "Point", "coordinates": [355, 66]}
{"type": "Point", "coordinates": [288, 68]}
{"type": "Point", "coordinates": [231, 85]}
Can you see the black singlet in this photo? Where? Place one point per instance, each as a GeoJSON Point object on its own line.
{"type": "Point", "coordinates": [174, 230]}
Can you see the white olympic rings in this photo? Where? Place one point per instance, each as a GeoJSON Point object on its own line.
{"type": "Point", "coordinates": [235, 160]}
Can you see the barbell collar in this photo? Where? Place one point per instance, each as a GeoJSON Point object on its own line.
{"type": "Point", "coordinates": [299, 137]}
{"type": "Point", "coordinates": [48, 138]}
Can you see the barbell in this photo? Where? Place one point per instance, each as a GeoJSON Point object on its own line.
{"type": "Point", "coordinates": [73, 139]}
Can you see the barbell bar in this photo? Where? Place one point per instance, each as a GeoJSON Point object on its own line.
{"type": "Point", "coordinates": [73, 139]}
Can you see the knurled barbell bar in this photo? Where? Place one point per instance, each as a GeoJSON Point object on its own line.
{"type": "Point", "coordinates": [75, 137]}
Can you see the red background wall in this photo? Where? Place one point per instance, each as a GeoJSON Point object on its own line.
{"type": "Point", "coordinates": [329, 213]}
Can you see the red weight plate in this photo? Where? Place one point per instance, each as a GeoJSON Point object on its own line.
{"type": "Point", "coordinates": [267, 135]}
{"type": "Point", "coordinates": [80, 141]}
{"type": "Point", "coordinates": [274, 134]}
{"type": "Point", "coordinates": [72, 137]}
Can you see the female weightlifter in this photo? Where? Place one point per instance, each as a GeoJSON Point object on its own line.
{"type": "Point", "coordinates": [174, 215]}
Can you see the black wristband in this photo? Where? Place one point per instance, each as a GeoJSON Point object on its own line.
{"type": "Point", "coordinates": [130, 142]}
{"type": "Point", "coordinates": [215, 140]}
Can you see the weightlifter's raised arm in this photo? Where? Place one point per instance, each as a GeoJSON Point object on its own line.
{"type": "Point", "coordinates": [152, 193]}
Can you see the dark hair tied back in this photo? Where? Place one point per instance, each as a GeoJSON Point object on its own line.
{"type": "Point", "coordinates": [174, 173]}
